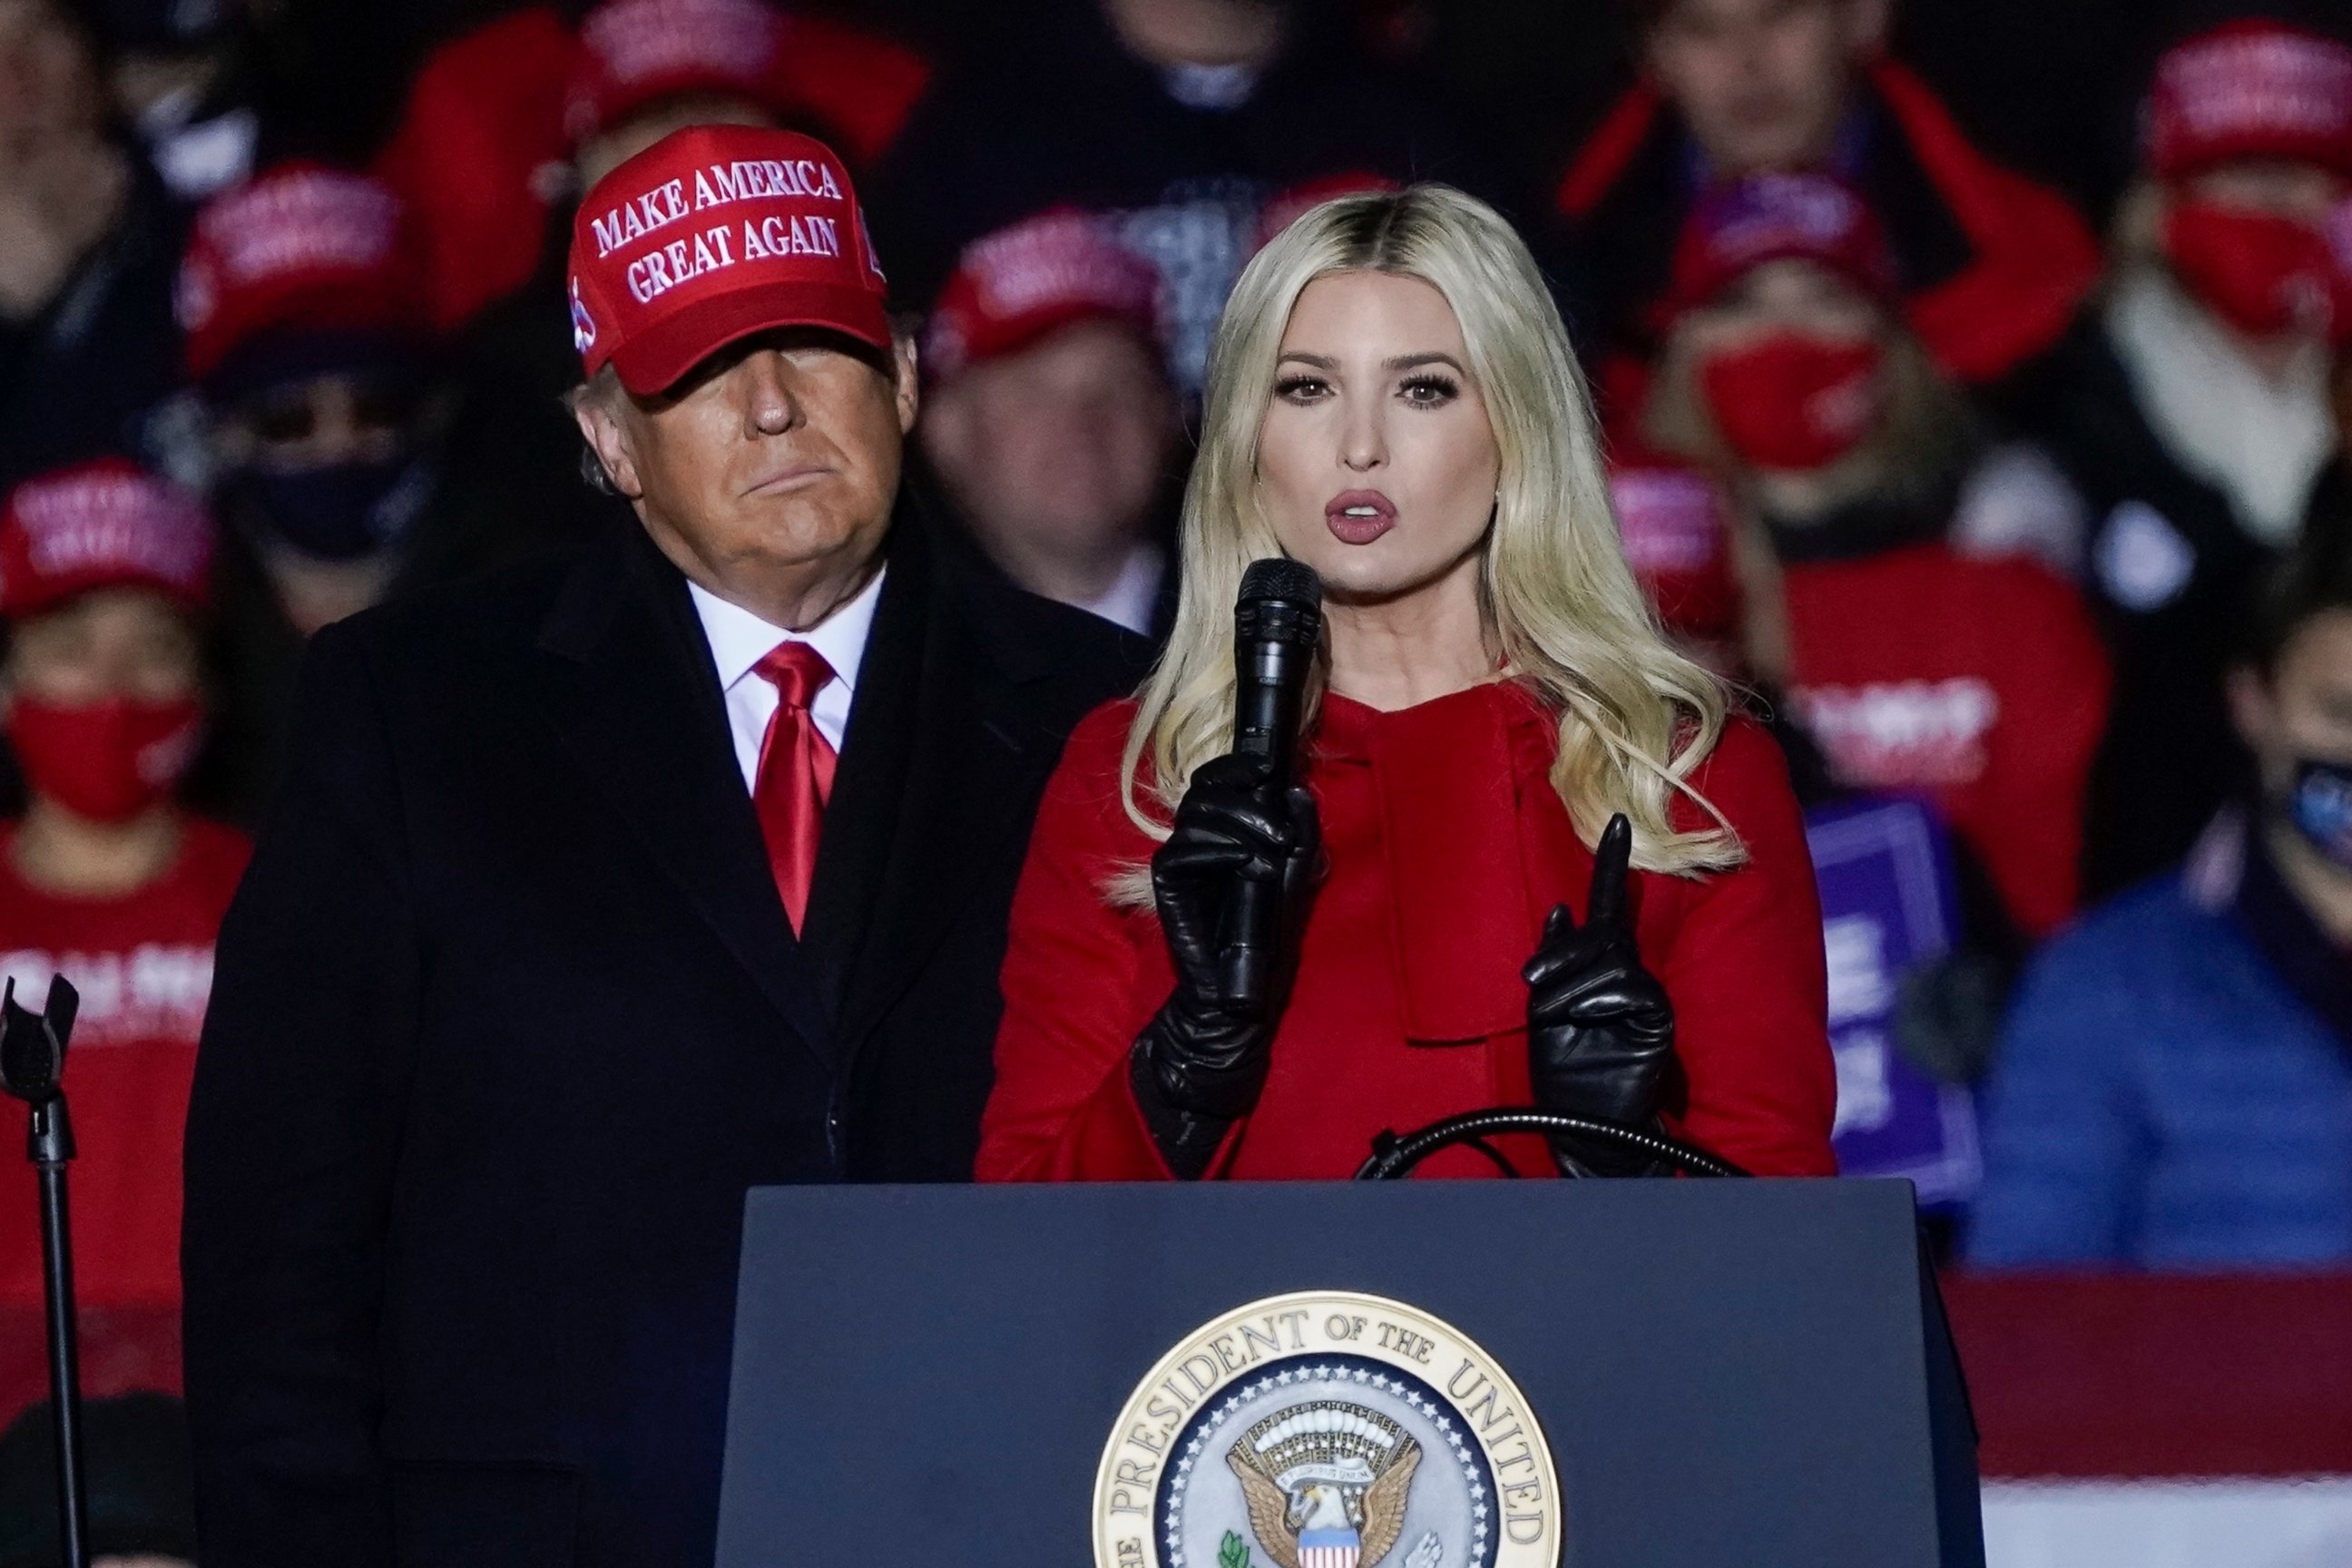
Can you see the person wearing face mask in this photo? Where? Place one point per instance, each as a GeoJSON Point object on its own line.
{"type": "Point", "coordinates": [2175, 1085]}
{"type": "Point", "coordinates": [324, 405]}
{"type": "Point", "coordinates": [103, 571]}
{"type": "Point", "coordinates": [1496, 728]}
{"type": "Point", "coordinates": [1049, 418]}
{"type": "Point", "coordinates": [1991, 266]}
{"type": "Point", "coordinates": [1976, 680]}
{"type": "Point", "coordinates": [2190, 407]}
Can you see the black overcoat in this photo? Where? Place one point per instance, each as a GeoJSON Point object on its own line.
{"type": "Point", "coordinates": [508, 1016]}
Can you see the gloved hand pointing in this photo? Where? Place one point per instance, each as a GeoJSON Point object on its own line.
{"type": "Point", "coordinates": [1601, 1032]}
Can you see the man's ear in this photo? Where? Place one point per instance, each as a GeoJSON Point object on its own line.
{"type": "Point", "coordinates": [608, 437]}
{"type": "Point", "coordinates": [909, 379]}
{"type": "Point", "coordinates": [1866, 26]}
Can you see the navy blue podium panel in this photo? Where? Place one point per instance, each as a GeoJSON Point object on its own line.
{"type": "Point", "coordinates": [1725, 1373]}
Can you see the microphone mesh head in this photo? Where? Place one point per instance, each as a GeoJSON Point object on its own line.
{"type": "Point", "coordinates": [1279, 577]}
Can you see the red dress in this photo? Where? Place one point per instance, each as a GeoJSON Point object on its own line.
{"type": "Point", "coordinates": [143, 964]}
{"type": "Point", "coordinates": [1446, 848]}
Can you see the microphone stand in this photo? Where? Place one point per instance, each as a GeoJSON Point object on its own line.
{"type": "Point", "coordinates": [32, 1061]}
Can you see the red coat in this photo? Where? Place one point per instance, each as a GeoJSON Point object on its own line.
{"type": "Point", "coordinates": [144, 964]}
{"type": "Point", "coordinates": [1447, 846]}
{"type": "Point", "coordinates": [1981, 683]}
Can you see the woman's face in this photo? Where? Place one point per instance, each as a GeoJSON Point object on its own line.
{"type": "Point", "coordinates": [1377, 466]}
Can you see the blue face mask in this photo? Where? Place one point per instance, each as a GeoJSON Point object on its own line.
{"type": "Point", "coordinates": [2320, 807]}
{"type": "Point", "coordinates": [341, 512]}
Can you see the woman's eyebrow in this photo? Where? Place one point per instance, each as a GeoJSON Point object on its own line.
{"type": "Point", "coordinates": [1414, 362]}
{"type": "Point", "coordinates": [1320, 362]}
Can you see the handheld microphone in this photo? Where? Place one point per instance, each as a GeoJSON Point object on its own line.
{"type": "Point", "coordinates": [1278, 622]}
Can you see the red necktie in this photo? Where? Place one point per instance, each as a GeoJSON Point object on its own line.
{"type": "Point", "coordinates": [795, 772]}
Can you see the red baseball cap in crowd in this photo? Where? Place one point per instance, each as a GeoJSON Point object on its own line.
{"type": "Point", "coordinates": [2250, 90]}
{"type": "Point", "coordinates": [637, 52]}
{"type": "Point", "coordinates": [1748, 223]}
{"type": "Point", "coordinates": [300, 246]}
{"type": "Point", "coordinates": [102, 524]}
{"type": "Point", "coordinates": [710, 235]}
{"type": "Point", "coordinates": [1013, 287]}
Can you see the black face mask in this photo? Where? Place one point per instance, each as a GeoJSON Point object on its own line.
{"type": "Point", "coordinates": [341, 512]}
{"type": "Point", "coordinates": [2320, 808]}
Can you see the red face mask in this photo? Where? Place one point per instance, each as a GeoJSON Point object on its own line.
{"type": "Point", "coordinates": [1790, 402]}
{"type": "Point", "coordinates": [2262, 273]}
{"type": "Point", "coordinates": [105, 762]}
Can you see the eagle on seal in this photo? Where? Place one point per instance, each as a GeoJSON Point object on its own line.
{"type": "Point", "coordinates": [1325, 1484]}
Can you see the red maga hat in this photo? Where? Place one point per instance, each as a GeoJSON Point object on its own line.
{"type": "Point", "coordinates": [1740, 227]}
{"type": "Point", "coordinates": [298, 247]}
{"type": "Point", "coordinates": [634, 52]}
{"type": "Point", "coordinates": [2250, 90]}
{"type": "Point", "coordinates": [103, 524]}
{"type": "Point", "coordinates": [712, 234]}
{"type": "Point", "coordinates": [1013, 287]}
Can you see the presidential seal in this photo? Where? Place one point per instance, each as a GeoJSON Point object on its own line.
{"type": "Point", "coordinates": [1326, 1430]}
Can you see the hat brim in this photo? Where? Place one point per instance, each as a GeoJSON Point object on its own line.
{"type": "Point", "coordinates": [658, 357]}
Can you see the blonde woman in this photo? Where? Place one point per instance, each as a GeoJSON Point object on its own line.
{"type": "Point", "coordinates": [1392, 402]}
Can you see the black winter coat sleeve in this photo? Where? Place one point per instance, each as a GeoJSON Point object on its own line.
{"type": "Point", "coordinates": [292, 1145]}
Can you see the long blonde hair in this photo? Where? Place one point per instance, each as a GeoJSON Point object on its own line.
{"type": "Point", "coordinates": [1635, 716]}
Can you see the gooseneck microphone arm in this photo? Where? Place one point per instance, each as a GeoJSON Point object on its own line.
{"type": "Point", "coordinates": [1277, 625]}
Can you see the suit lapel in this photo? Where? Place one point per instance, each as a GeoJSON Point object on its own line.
{"type": "Point", "coordinates": [630, 688]}
{"type": "Point", "coordinates": [933, 777]}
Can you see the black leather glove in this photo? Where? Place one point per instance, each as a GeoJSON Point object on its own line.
{"type": "Point", "coordinates": [1601, 1032]}
{"type": "Point", "coordinates": [1199, 1064]}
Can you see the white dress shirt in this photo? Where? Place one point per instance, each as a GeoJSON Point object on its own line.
{"type": "Point", "coordinates": [1133, 596]}
{"type": "Point", "coordinates": [739, 640]}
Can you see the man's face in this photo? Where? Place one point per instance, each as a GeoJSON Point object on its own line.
{"type": "Point", "coordinates": [109, 643]}
{"type": "Point", "coordinates": [1062, 447]}
{"type": "Point", "coordinates": [1762, 83]}
{"type": "Point", "coordinates": [769, 473]}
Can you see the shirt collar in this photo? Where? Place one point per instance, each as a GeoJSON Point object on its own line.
{"type": "Point", "coordinates": [740, 639]}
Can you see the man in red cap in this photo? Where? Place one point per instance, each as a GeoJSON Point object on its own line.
{"type": "Point", "coordinates": [103, 586]}
{"type": "Point", "coordinates": [600, 891]}
{"type": "Point", "coordinates": [1992, 266]}
{"type": "Point", "coordinates": [2191, 406]}
{"type": "Point", "coordinates": [1049, 417]}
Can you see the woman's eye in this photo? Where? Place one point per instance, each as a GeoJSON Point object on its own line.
{"type": "Point", "coordinates": [1301, 389]}
{"type": "Point", "coordinates": [1429, 391]}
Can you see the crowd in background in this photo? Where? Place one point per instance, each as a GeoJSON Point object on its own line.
{"type": "Point", "coordinates": [1974, 379]}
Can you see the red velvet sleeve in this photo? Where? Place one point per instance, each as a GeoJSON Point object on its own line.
{"type": "Point", "coordinates": [1062, 1110]}
{"type": "Point", "coordinates": [1744, 969]}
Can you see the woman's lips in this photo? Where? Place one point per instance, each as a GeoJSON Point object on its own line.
{"type": "Point", "coordinates": [1358, 517]}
